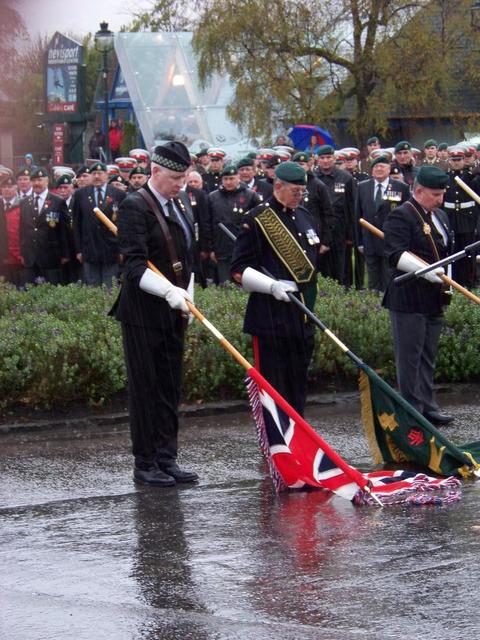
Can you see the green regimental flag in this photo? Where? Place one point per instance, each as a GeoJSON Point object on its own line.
{"type": "Point", "coordinates": [399, 433]}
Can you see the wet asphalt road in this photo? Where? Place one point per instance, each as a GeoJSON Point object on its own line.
{"type": "Point", "coordinates": [87, 555]}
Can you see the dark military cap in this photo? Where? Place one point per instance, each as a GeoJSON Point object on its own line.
{"type": "Point", "coordinates": [245, 162]}
{"type": "Point", "coordinates": [230, 170]}
{"type": "Point", "coordinates": [373, 140]}
{"type": "Point", "coordinates": [432, 177]}
{"type": "Point", "coordinates": [443, 146]}
{"type": "Point", "coordinates": [202, 153]}
{"type": "Point", "coordinates": [430, 143]}
{"type": "Point", "coordinates": [63, 180]}
{"type": "Point", "coordinates": [172, 155]}
{"type": "Point", "coordinates": [252, 155]}
{"type": "Point", "coordinates": [39, 173]}
{"type": "Point", "coordinates": [402, 146]}
{"type": "Point", "coordinates": [302, 156]}
{"type": "Point", "coordinates": [380, 159]}
{"type": "Point", "coordinates": [325, 150]}
{"type": "Point", "coordinates": [273, 162]}
{"type": "Point", "coordinates": [118, 178]}
{"type": "Point", "coordinates": [82, 170]}
{"type": "Point", "coordinates": [24, 171]}
{"type": "Point", "coordinates": [98, 166]}
{"type": "Point", "coordinates": [7, 181]}
{"type": "Point", "coordinates": [137, 171]}
{"type": "Point", "coordinates": [291, 172]}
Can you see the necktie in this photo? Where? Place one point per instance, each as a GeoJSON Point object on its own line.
{"type": "Point", "coordinates": [99, 197]}
{"type": "Point", "coordinates": [378, 196]}
{"type": "Point", "coordinates": [179, 218]}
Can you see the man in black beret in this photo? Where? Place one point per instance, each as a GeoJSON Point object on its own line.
{"type": "Point", "coordinates": [43, 232]}
{"type": "Point", "coordinates": [137, 178]}
{"type": "Point", "coordinates": [95, 246]}
{"type": "Point", "coordinates": [24, 184]}
{"type": "Point", "coordinates": [83, 177]}
{"type": "Point", "coordinates": [228, 205]}
{"type": "Point", "coordinates": [156, 224]}
{"type": "Point", "coordinates": [421, 228]}
{"type": "Point", "coordinates": [281, 236]}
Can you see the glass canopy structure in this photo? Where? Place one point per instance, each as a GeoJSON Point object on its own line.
{"type": "Point", "coordinates": [160, 71]}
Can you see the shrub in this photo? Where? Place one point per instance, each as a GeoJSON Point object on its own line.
{"type": "Point", "coordinates": [58, 345]}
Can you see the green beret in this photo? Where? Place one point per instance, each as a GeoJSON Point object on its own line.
{"type": "Point", "coordinates": [430, 143]}
{"type": "Point", "coordinates": [291, 172]}
{"type": "Point", "coordinates": [443, 146]}
{"type": "Point", "coordinates": [373, 140]}
{"type": "Point", "coordinates": [23, 172]}
{"type": "Point", "coordinates": [137, 171]}
{"type": "Point", "coordinates": [39, 173]}
{"type": "Point", "coordinates": [118, 178]}
{"type": "Point", "coordinates": [432, 177]}
{"type": "Point", "coordinates": [82, 170]}
{"type": "Point", "coordinates": [402, 146]}
{"type": "Point", "coordinates": [325, 150]}
{"type": "Point", "coordinates": [383, 159]}
{"type": "Point", "coordinates": [98, 166]}
{"type": "Point", "coordinates": [245, 162]}
{"type": "Point", "coordinates": [252, 155]}
{"type": "Point", "coordinates": [7, 181]}
{"type": "Point", "coordinates": [230, 170]}
{"type": "Point", "coordinates": [302, 156]}
{"type": "Point", "coordinates": [63, 180]}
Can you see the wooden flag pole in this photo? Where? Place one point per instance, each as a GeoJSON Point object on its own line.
{"type": "Point", "coordinates": [468, 294]}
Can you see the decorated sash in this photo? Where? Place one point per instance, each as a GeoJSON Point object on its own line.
{"type": "Point", "coordinates": [286, 247]}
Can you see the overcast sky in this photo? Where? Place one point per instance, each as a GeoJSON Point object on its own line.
{"type": "Point", "coordinates": [77, 16]}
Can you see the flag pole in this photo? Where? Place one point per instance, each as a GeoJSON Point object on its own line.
{"type": "Point", "coordinates": [453, 283]}
{"type": "Point", "coordinates": [351, 472]}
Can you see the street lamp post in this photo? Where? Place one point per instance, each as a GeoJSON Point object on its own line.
{"type": "Point", "coordinates": [104, 44]}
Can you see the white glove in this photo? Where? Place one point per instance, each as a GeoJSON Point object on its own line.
{"type": "Point", "coordinates": [161, 287]}
{"type": "Point", "coordinates": [254, 281]}
{"type": "Point", "coordinates": [411, 263]}
{"type": "Point", "coordinates": [191, 293]}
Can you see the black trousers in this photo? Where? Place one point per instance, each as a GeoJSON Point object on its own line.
{"type": "Point", "coordinates": [415, 338]}
{"type": "Point", "coordinates": [284, 363]}
{"type": "Point", "coordinates": [154, 368]}
{"type": "Point", "coordinates": [464, 269]}
{"type": "Point", "coordinates": [377, 272]}
{"type": "Point", "coordinates": [332, 263]}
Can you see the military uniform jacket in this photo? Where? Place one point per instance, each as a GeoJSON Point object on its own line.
{"type": "Point", "coordinates": [262, 187]}
{"type": "Point", "coordinates": [93, 240]}
{"type": "Point", "coordinates": [341, 188]}
{"type": "Point", "coordinates": [229, 208]}
{"type": "Point", "coordinates": [396, 193]}
{"type": "Point", "coordinates": [317, 202]}
{"type": "Point", "coordinates": [212, 181]}
{"type": "Point", "coordinates": [140, 239]}
{"type": "Point", "coordinates": [43, 237]}
{"type": "Point", "coordinates": [201, 217]}
{"type": "Point", "coordinates": [462, 210]}
{"type": "Point", "coordinates": [408, 171]}
{"type": "Point", "coordinates": [406, 230]}
{"type": "Point", "coordinates": [266, 316]}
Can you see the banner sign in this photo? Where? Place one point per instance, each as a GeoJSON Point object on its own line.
{"type": "Point", "coordinates": [64, 56]}
{"type": "Point", "coordinates": [58, 142]}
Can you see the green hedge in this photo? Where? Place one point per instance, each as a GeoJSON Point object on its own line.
{"type": "Point", "coordinates": [57, 344]}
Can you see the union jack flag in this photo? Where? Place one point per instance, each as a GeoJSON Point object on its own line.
{"type": "Point", "coordinates": [297, 457]}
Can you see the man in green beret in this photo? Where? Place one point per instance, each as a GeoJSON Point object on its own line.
{"type": "Point", "coordinates": [430, 150]}
{"type": "Point", "coordinates": [95, 246]}
{"type": "Point", "coordinates": [418, 228]}
{"type": "Point", "coordinates": [24, 184]}
{"type": "Point", "coordinates": [137, 178]}
{"type": "Point", "coordinates": [404, 165]}
{"type": "Point", "coordinates": [248, 175]}
{"type": "Point", "coordinates": [281, 236]}
{"type": "Point", "coordinates": [228, 205]}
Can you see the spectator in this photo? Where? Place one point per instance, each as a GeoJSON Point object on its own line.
{"type": "Point", "coordinates": [115, 138]}
{"type": "Point", "coordinates": [96, 144]}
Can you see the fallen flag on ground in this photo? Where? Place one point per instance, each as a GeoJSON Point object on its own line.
{"type": "Point", "coordinates": [298, 457]}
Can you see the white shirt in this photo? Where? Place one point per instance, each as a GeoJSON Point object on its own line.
{"type": "Point", "coordinates": [41, 198]}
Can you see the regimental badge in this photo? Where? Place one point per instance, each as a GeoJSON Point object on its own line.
{"type": "Point", "coordinates": [52, 218]}
{"type": "Point", "coordinates": [392, 196]}
{"type": "Point", "coordinates": [426, 229]}
{"type": "Point", "coordinates": [312, 237]}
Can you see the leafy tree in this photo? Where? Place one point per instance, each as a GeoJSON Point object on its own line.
{"type": "Point", "coordinates": [12, 33]}
{"type": "Point", "coordinates": [308, 60]}
{"type": "Point", "coordinates": [165, 15]}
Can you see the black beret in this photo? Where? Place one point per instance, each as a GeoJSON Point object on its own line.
{"type": "Point", "coordinates": [118, 178]}
{"type": "Point", "coordinates": [443, 146]}
{"type": "Point", "coordinates": [272, 162]}
{"type": "Point", "coordinates": [430, 143]}
{"type": "Point", "coordinates": [63, 180]}
{"type": "Point", "coordinates": [98, 166]}
{"type": "Point", "coordinates": [291, 172]}
{"type": "Point", "coordinates": [403, 145]}
{"type": "Point", "coordinates": [24, 171]}
{"type": "Point", "coordinates": [373, 140]}
{"type": "Point", "coordinates": [302, 156]}
{"type": "Point", "coordinates": [137, 171]}
{"type": "Point", "coordinates": [172, 155]}
{"type": "Point", "coordinates": [82, 170]}
{"type": "Point", "coordinates": [245, 162]}
{"type": "Point", "coordinates": [383, 159]}
{"type": "Point", "coordinates": [432, 177]}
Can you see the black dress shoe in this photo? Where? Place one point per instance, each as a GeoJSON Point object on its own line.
{"type": "Point", "coordinates": [153, 476]}
{"type": "Point", "coordinates": [180, 475]}
{"type": "Point", "coordinates": [436, 417]}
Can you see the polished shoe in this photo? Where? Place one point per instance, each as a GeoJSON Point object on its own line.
{"type": "Point", "coordinates": [180, 475]}
{"type": "Point", "coordinates": [436, 417]}
{"type": "Point", "coordinates": [153, 476]}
